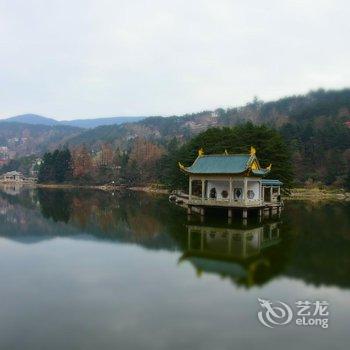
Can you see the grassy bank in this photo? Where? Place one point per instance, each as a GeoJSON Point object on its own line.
{"type": "Point", "coordinates": [150, 189]}
{"type": "Point", "coordinates": [316, 194]}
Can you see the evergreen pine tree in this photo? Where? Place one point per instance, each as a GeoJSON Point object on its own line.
{"type": "Point", "coordinates": [269, 144]}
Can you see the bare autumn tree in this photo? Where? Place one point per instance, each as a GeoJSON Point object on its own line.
{"type": "Point", "coordinates": [145, 152]}
{"type": "Point", "coordinates": [143, 158]}
{"type": "Point", "coordinates": [106, 155]}
{"type": "Point", "coordinates": [82, 161]}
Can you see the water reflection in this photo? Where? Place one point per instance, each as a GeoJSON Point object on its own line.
{"type": "Point", "coordinates": [309, 242]}
{"type": "Point", "coordinates": [232, 252]}
{"type": "Point", "coordinates": [12, 188]}
{"type": "Point", "coordinates": [231, 243]}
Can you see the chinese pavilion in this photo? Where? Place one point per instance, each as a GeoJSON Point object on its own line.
{"type": "Point", "coordinates": [231, 181]}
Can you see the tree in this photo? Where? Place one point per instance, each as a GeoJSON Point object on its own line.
{"type": "Point", "coordinates": [46, 169]}
{"type": "Point", "coordinates": [63, 166]}
{"type": "Point", "coordinates": [142, 161]}
{"type": "Point", "coordinates": [82, 162]}
{"type": "Point", "coordinates": [270, 146]}
{"type": "Point", "coordinates": [56, 167]}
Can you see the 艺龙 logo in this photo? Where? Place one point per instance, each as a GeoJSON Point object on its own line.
{"type": "Point", "coordinates": [308, 313]}
{"type": "Point", "coordinates": [274, 314]}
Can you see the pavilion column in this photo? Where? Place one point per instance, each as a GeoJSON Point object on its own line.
{"type": "Point", "coordinates": [262, 193]}
{"type": "Point", "coordinates": [271, 194]}
{"type": "Point", "coordinates": [245, 190]}
{"type": "Point", "coordinates": [279, 200]}
{"type": "Point", "coordinates": [230, 194]}
{"type": "Point", "coordinates": [190, 188]}
{"type": "Point", "coordinates": [203, 190]}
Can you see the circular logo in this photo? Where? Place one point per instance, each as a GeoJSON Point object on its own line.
{"type": "Point", "coordinates": [274, 314]}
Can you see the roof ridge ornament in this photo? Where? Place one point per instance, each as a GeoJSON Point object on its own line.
{"type": "Point", "coordinates": [200, 152]}
{"type": "Point", "coordinates": [226, 153]}
{"type": "Point", "coordinates": [269, 167]}
{"type": "Point", "coordinates": [252, 151]}
{"type": "Point", "coordinates": [182, 167]}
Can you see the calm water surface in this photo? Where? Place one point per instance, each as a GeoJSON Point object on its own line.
{"type": "Point", "coordinates": [91, 270]}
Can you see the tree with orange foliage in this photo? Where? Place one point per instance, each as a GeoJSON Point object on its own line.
{"type": "Point", "coordinates": [142, 160]}
{"type": "Point", "coordinates": [82, 161]}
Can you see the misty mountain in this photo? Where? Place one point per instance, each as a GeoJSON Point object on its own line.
{"type": "Point", "coordinates": [316, 110]}
{"type": "Point", "coordinates": [35, 119]}
{"type": "Point", "coordinates": [93, 123]}
{"type": "Point", "coordinates": [22, 139]}
{"type": "Point", "coordinates": [316, 126]}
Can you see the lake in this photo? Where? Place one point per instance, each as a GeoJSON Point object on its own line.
{"type": "Point", "coordinates": [86, 269]}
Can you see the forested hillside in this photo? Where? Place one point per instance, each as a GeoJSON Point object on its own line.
{"type": "Point", "coordinates": [21, 139]}
{"type": "Point", "coordinates": [315, 127]}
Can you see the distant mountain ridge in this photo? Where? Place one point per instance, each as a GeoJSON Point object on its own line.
{"type": "Point", "coordinates": [35, 119]}
{"type": "Point", "coordinates": [317, 107]}
{"type": "Point", "coordinates": [23, 139]}
{"type": "Point", "coordinates": [93, 123]}
{"type": "Point", "coordinates": [316, 127]}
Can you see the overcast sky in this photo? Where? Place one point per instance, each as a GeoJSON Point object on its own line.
{"type": "Point", "coordinates": [81, 58]}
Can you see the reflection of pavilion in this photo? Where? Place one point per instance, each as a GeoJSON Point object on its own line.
{"type": "Point", "coordinates": [231, 252]}
{"type": "Point", "coordinates": [12, 189]}
{"type": "Point", "coordinates": [229, 242]}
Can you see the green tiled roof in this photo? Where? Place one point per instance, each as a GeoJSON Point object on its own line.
{"type": "Point", "coordinates": [268, 182]}
{"type": "Point", "coordinates": [223, 164]}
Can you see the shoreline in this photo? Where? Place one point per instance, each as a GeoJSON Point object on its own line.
{"type": "Point", "coordinates": [309, 194]}
{"type": "Point", "coordinates": [107, 188]}
{"type": "Point", "coordinates": [315, 195]}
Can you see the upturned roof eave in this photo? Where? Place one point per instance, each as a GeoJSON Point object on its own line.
{"type": "Point", "coordinates": [248, 171]}
{"type": "Point", "coordinates": [245, 172]}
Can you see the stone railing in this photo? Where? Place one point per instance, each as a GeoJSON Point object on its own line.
{"type": "Point", "coordinates": [194, 200]}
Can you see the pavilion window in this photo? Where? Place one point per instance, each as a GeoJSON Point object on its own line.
{"type": "Point", "coordinates": [250, 194]}
{"type": "Point", "coordinates": [224, 194]}
{"type": "Point", "coordinates": [237, 193]}
{"type": "Point", "coordinates": [197, 188]}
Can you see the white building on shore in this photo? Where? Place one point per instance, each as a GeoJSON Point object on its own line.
{"type": "Point", "coordinates": [12, 176]}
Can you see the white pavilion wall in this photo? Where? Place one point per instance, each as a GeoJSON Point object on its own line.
{"type": "Point", "coordinates": [237, 183]}
{"type": "Point", "coordinates": [219, 185]}
{"type": "Point", "coordinates": [255, 187]}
